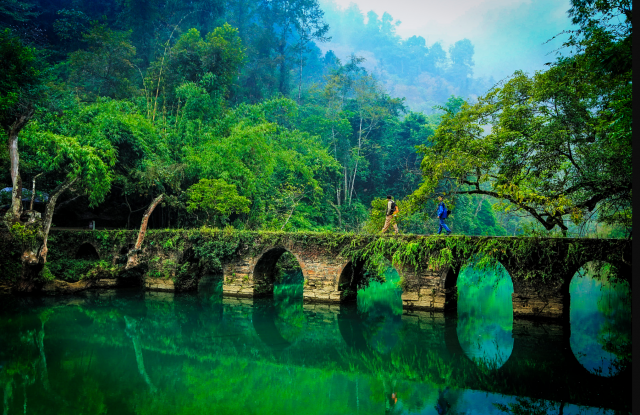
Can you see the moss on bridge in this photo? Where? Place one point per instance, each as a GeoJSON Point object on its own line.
{"type": "Point", "coordinates": [184, 255]}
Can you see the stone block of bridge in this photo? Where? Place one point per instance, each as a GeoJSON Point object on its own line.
{"type": "Point", "coordinates": [423, 287]}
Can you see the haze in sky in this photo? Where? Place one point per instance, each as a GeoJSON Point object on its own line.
{"type": "Point", "coordinates": [507, 34]}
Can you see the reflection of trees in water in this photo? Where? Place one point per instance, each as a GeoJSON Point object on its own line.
{"type": "Point", "coordinates": [289, 319]}
{"type": "Point", "coordinates": [132, 332]}
{"type": "Point", "coordinates": [380, 305]}
{"type": "Point", "coordinates": [288, 298]}
{"type": "Point", "coordinates": [601, 319]}
{"type": "Point", "coordinates": [27, 362]}
{"type": "Point", "coordinates": [218, 371]}
{"type": "Point", "coordinates": [615, 333]}
{"type": "Point", "coordinates": [485, 314]}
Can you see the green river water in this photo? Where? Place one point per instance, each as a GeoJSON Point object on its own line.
{"type": "Point", "coordinates": [134, 352]}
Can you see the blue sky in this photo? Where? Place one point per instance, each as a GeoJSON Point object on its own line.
{"type": "Point", "coordinates": [507, 34]}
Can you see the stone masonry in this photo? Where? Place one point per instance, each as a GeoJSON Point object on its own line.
{"type": "Point", "coordinates": [332, 278]}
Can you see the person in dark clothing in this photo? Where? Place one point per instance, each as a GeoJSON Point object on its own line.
{"type": "Point", "coordinates": [442, 215]}
{"type": "Point", "coordinates": [442, 405]}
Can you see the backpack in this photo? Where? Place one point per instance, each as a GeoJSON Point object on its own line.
{"type": "Point", "coordinates": [446, 211]}
{"type": "Point", "coordinates": [394, 207]}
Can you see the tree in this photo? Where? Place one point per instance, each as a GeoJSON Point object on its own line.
{"type": "Point", "coordinates": [309, 27]}
{"type": "Point", "coordinates": [531, 143]}
{"type": "Point", "coordinates": [461, 70]}
{"type": "Point", "coordinates": [216, 198]}
{"type": "Point", "coordinates": [21, 84]}
{"type": "Point", "coordinates": [210, 63]}
{"type": "Point", "coordinates": [14, 11]}
{"type": "Point", "coordinates": [555, 145]}
{"type": "Point", "coordinates": [105, 68]}
{"type": "Point", "coordinates": [282, 19]}
{"type": "Point", "coordinates": [81, 163]}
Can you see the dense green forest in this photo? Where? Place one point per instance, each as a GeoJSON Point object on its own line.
{"type": "Point", "coordinates": [231, 112]}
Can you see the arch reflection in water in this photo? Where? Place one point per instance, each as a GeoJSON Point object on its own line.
{"type": "Point", "coordinates": [600, 318]}
{"type": "Point", "coordinates": [280, 322]}
{"type": "Point", "coordinates": [210, 296]}
{"type": "Point", "coordinates": [380, 305]}
{"type": "Point", "coordinates": [485, 313]}
{"type": "Point", "coordinates": [288, 297]}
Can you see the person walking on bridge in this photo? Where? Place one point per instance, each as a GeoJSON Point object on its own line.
{"type": "Point", "coordinates": [391, 211]}
{"type": "Point", "coordinates": [442, 215]}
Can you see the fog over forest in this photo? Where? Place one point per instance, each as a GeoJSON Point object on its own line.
{"type": "Point", "coordinates": [428, 51]}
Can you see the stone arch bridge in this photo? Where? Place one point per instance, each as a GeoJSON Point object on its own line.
{"type": "Point", "coordinates": [332, 264]}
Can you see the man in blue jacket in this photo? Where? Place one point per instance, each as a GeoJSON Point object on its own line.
{"type": "Point", "coordinates": [442, 215]}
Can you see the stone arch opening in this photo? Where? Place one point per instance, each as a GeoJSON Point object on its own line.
{"type": "Point", "coordinates": [485, 313]}
{"type": "Point", "coordinates": [351, 279]}
{"type": "Point", "coordinates": [278, 266]}
{"type": "Point", "coordinates": [264, 273]}
{"type": "Point", "coordinates": [600, 318]}
{"type": "Point", "coordinates": [370, 316]}
{"type": "Point", "coordinates": [87, 252]}
{"type": "Point", "coordinates": [450, 286]}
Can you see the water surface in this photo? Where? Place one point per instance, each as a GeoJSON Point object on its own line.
{"type": "Point", "coordinates": [131, 352]}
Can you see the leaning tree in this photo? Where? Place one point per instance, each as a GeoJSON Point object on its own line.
{"type": "Point", "coordinates": [78, 164]}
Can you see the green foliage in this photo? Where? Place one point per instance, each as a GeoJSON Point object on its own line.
{"type": "Point", "coordinates": [563, 177]}
{"type": "Point", "coordinates": [216, 198]}
{"type": "Point", "coordinates": [20, 80]}
{"type": "Point", "coordinates": [211, 63]}
{"type": "Point", "coordinates": [72, 270]}
{"type": "Point", "coordinates": [133, 108]}
{"type": "Point", "coordinates": [555, 145]}
{"type": "Point", "coordinates": [25, 235]}
{"type": "Point", "coordinates": [87, 159]}
{"type": "Point", "coordinates": [106, 66]}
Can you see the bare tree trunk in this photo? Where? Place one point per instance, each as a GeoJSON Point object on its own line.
{"type": "Point", "coordinates": [346, 182]}
{"type": "Point", "coordinates": [48, 216]}
{"type": "Point", "coordinates": [43, 359]}
{"type": "Point", "coordinates": [137, 348]}
{"type": "Point", "coordinates": [482, 199]}
{"type": "Point", "coordinates": [289, 217]}
{"type": "Point", "coordinates": [355, 169]}
{"type": "Point", "coordinates": [337, 209]}
{"type": "Point", "coordinates": [14, 156]}
{"type": "Point", "coordinates": [33, 190]}
{"type": "Point", "coordinates": [294, 204]}
{"type": "Point", "coordinates": [145, 220]}
{"type": "Point", "coordinates": [166, 48]}
{"type": "Point", "coordinates": [133, 257]}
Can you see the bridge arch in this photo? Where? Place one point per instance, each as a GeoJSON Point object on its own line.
{"type": "Point", "coordinates": [265, 270]}
{"type": "Point", "coordinates": [87, 251]}
{"type": "Point", "coordinates": [351, 277]}
{"type": "Point", "coordinates": [354, 276]}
